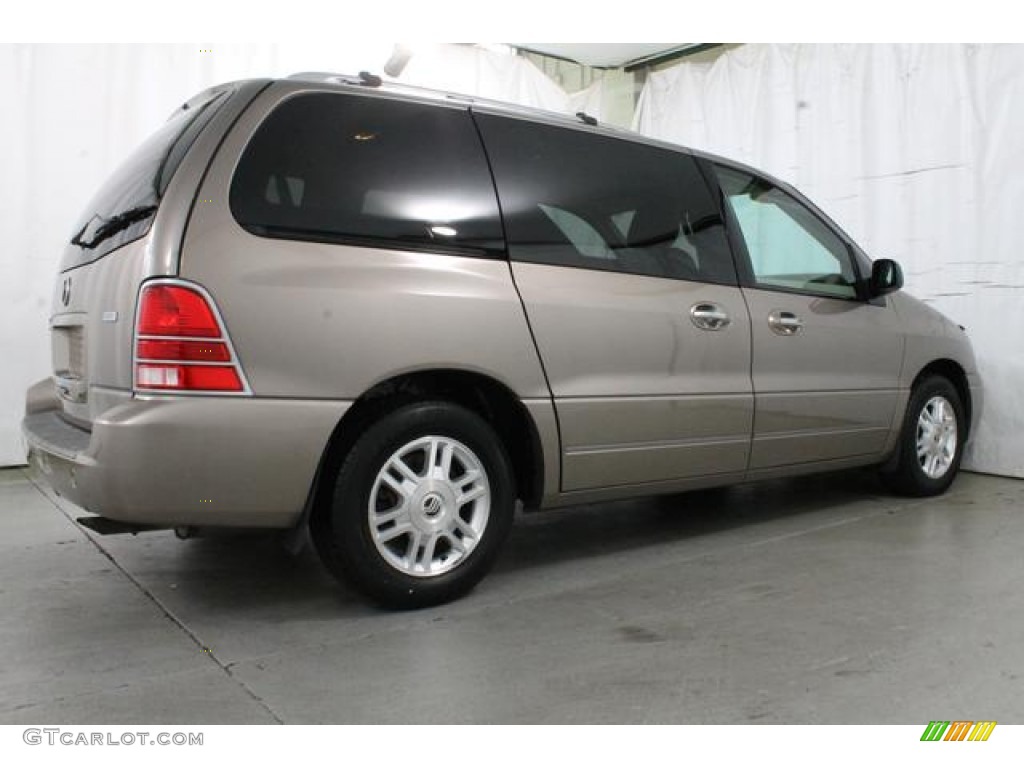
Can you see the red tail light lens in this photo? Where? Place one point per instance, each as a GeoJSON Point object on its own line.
{"type": "Point", "coordinates": [165, 361]}
{"type": "Point", "coordinates": [202, 351]}
{"type": "Point", "coordinates": [174, 310]}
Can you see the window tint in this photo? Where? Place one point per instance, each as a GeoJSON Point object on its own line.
{"type": "Point", "coordinates": [577, 199]}
{"type": "Point", "coordinates": [342, 168]}
{"type": "Point", "coordinates": [125, 205]}
{"type": "Point", "coordinates": [789, 247]}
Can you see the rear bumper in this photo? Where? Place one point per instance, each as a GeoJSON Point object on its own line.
{"type": "Point", "coordinates": [204, 461]}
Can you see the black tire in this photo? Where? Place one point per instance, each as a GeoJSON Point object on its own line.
{"type": "Point", "coordinates": [907, 475]}
{"type": "Point", "coordinates": [344, 536]}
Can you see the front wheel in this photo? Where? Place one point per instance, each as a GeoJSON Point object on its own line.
{"type": "Point", "coordinates": [932, 440]}
{"type": "Point", "coordinates": [420, 508]}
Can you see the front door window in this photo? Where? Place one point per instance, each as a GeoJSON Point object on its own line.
{"type": "Point", "coordinates": [789, 247]}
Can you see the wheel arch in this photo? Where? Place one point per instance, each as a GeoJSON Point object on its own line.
{"type": "Point", "coordinates": [954, 372]}
{"type": "Point", "coordinates": [484, 395]}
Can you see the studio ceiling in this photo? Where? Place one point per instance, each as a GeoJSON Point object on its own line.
{"type": "Point", "coordinates": [605, 54]}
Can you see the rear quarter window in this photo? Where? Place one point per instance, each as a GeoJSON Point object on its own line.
{"type": "Point", "coordinates": [125, 205]}
{"type": "Point", "coordinates": [329, 167]}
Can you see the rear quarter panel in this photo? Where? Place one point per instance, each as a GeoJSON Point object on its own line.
{"type": "Point", "coordinates": [325, 321]}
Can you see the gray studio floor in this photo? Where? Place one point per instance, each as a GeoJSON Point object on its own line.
{"type": "Point", "coordinates": [821, 600]}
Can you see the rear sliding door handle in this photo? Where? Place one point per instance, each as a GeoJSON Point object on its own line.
{"type": "Point", "coordinates": [709, 317]}
{"type": "Point", "coordinates": [784, 323]}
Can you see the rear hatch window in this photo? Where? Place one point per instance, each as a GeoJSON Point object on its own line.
{"type": "Point", "coordinates": [124, 207]}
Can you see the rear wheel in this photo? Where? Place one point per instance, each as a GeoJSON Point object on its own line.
{"type": "Point", "coordinates": [931, 441]}
{"type": "Point", "coordinates": [420, 507]}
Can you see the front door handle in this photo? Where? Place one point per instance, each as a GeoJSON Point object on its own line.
{"type": "Point", "coordinates": [784, 323]}
{"type": "Point", "coordinates": [709, 317]}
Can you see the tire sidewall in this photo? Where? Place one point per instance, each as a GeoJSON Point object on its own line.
{"type": "Point", "coordinates": [351, 538]}
{"type": "Point", "coordinates": [921, 483]}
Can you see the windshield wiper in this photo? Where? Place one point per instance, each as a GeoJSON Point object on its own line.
{"type": "Point", "coordinates": [113, 225]}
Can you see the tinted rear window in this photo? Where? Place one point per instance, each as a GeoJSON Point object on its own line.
{"type": "Point", "coordinates": [124, 207]}
{"type": "Point", "coordinates": [577, 199]}
{"type": "Point", "coordinates": [368, 171]}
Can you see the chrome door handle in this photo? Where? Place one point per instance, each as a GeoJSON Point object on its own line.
{"type": "Point", "coordinates": [784, 323]}
{"type": "Point", "coordinates": [709, 317]}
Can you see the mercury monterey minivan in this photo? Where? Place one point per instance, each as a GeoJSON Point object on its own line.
{"type": "Point", "coordinates": [388, 314]}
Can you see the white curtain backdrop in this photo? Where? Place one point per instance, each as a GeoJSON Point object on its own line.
{"type": "Point", "coordinates": [609, 99]}
{"type": "Point", "coordinates": [916, 150]}
{"type": "Point", "coordinates": [463, 69]}
{"type": "Point", "coordinates": [73, 112]}
{"type": "Point", "coordinates": [591, 100]}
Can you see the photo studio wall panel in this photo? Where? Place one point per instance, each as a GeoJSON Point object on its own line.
{"type": "Point", "coordinates": [73, 112]}
{"type": "Point", "coordinates": [915, 150]}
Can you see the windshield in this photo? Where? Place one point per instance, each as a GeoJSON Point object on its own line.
{"type": "Point", "coordinates": [124, 207]}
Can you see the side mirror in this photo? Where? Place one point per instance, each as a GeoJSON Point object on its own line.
{"type": "Point", "coordinates": [886, 277]}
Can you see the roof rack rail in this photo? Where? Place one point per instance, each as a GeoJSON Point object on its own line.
{"type": "Point", "coordinates": [363, 78]}
{"type": "Point", "coordinates": [367, 79]}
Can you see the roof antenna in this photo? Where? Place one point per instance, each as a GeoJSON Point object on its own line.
{"type": "Point", "coordinates": [586, 118]}
{"type": "Point", "coordinates": [371, 80]}
{"type": "Point", "coordinates": [399, 59]}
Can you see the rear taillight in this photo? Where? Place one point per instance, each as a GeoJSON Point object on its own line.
{"type": "Point", "coordinates": [181, 344]}
{"type": "Point", "coordinates": [202, 351]}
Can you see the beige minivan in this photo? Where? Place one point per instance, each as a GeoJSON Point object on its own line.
{"type": "Point", "coordinates": [389, 314]}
